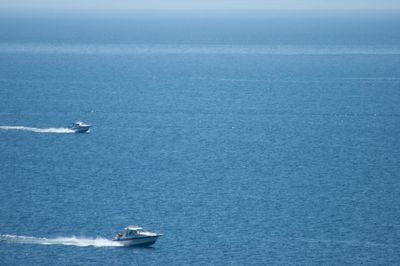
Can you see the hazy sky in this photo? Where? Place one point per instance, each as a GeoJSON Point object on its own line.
{"type": "Point", "coordinates": [202, 4]}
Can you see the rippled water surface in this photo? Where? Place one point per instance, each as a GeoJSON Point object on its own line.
{"type": "Point", "coordinates": [244, 140]}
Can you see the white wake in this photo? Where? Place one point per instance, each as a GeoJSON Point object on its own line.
{"type": "Point", "coordinates": [59, 130]}
{"type": "Point", "coordinates": [67, 241]}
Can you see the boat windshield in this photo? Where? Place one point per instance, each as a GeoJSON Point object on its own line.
{"type": "Point", "coordinates": [131, 232]}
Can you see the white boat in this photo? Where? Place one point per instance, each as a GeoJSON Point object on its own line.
{"type": "Point", "coordinates": [135, 236]}
{"type": "Point", "coordinates": [80, 127]}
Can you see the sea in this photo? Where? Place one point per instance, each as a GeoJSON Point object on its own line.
{"type": "Point", "coordinates": [244, 137]}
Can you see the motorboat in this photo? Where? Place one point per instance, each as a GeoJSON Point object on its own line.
{"type": "Point", "coordinates": [135, 236]}
{"type": "Point", "coordinates": [80, 127]}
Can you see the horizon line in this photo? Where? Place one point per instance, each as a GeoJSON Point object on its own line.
{"type": "Point", "coordinates": [128, 9]}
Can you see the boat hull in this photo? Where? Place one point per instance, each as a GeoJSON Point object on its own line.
{"type": "Point", "coordinates": [137, 241]}
{"type": "Point", "coordinates": [81, 130]}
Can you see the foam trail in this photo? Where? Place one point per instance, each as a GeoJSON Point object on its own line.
{"type": "Point", "coordinates": [59, 130]}
{"type": "Point", "coordinates": [67, 241]}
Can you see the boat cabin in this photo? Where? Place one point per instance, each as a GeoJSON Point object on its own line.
{"type": "Point", "coordinates": [130, 231]}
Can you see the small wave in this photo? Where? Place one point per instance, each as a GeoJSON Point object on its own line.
{"type": "Point", "coordinates": [61, 130]}
{"type": "Point", "coordinates": [67, 241]}
{"type": "Point", "coordinates": [355, 243]}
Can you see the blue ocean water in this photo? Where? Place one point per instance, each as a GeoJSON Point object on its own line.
{"type": "Point", "coordinates": [246, 139]}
